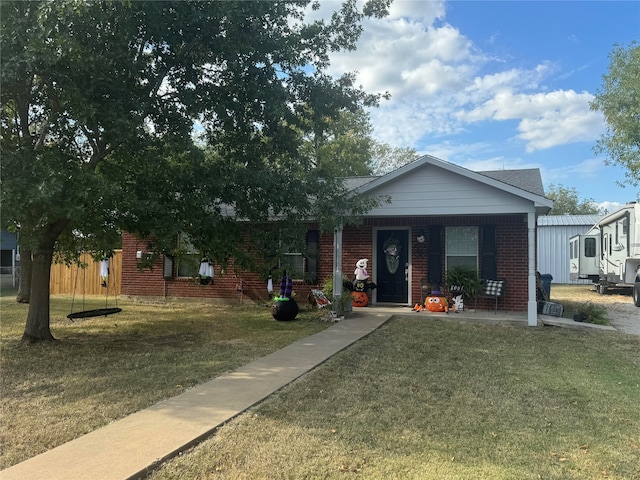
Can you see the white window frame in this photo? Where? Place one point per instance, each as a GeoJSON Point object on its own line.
{"type": "Point", "coordinates": [188, 259]}
{"type": "Point", "coordinates": [298, 276]}
{"type": "Point", "coordinates": [455, 247]}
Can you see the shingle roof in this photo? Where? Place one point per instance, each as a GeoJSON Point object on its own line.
{"type": "Point", "coordinates": [351, 183]}
{"type": "Point", "coordinates": [527, 179]}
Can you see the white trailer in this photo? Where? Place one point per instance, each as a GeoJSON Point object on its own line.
{"type": "Point", "coordinates": [609, 253]}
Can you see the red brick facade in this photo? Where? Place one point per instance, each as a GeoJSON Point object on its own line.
{"type": "Point", "coordinates": [512, 261]}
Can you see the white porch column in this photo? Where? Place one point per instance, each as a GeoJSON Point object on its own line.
{"type": "Point", "coordinates": [532, 310]}
{"type": "Point", "coordinates": [13, 267]}
{"type": "Point", "coordinates": [337, 270]}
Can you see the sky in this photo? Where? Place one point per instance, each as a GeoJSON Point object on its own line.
{"type": "Point", "coordinates": [492, 85]}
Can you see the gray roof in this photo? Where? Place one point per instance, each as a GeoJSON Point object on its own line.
{"type": "Point", "coordinates": [527, 179]}
{"type": "Point", "coordinates": [567, 220]}
{"type": "Point", "coordinates": [351, 183]}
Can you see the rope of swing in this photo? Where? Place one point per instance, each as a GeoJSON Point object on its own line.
{"type": "Point", "coordinates": [75, 286]}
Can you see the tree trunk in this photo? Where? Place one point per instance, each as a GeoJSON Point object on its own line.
{"type": "Point", "coordinates": [24, 285]}
{"type": "Point", "coordinates": [37, 328]}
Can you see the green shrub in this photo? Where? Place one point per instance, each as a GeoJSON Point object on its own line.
{"type": "Point", "coordinates": [593, 313]}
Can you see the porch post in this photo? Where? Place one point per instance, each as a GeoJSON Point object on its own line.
{"type": "Point", "coordinates": [532, 310]}
{"type": "Point", "coordinates": [337, 270]}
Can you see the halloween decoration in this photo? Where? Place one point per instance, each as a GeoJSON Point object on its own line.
{"type": "Point", "coordinates": [391, 248]}
{"type": "Point", "coordinates": [361, 269]}
{"type": "Point", "coordinates": [205, 272]}
{"type": "Point", "coordinates": [457, 297]}
{"type": "Point", "coordinates": [361, 284]}
{"type": "Point", "coordinates": [359, 299]}
{"type": "Point", "coordinates": [104, 270]}
{"type": "Point", "coordinates": [435, 302]}
{"type": "Point", "coordinates": [285, 307]}
{"type": "Point", "coordinates": [317, 298]}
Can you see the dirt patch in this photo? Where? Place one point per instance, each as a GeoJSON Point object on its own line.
{"type": "Point", "coordinates": [621, 311]}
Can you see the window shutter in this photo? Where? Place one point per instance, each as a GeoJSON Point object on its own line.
{"type": "Point", "coordinates": [313, 247]}
{"type": "Point", "coordinates": [434, 265]}
{"type": "Point", "coordinates": [489, 257]}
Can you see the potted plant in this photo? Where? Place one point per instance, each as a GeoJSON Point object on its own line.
{"type": "Point", "coordinates": [345, 299]}
{"type": "Point", "coordinates": [463, 280]}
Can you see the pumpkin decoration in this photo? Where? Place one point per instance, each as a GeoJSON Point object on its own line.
{"type": "Point", "coordinates": [359, 299]}
{"type": "Point", "coordinates": [434, 303]}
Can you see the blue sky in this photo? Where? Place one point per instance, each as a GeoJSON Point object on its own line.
{"type": "Point", "coordinates": [502, 84]}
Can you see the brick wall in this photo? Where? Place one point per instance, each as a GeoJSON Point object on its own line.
{"type": "Point", "coordinates": [511, 232]}
{"type": "Point", "coordinates": [227, 285]}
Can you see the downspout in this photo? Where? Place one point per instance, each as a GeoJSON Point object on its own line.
{"type": "Point", "coordinates": [532, 305]}
{"type": "Point", "coordinates": [337, 271]}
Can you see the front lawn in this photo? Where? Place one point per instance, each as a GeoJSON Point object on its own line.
{"type": "Point", "coordinates": [428, 399]}
{"type": "Point", "coordinates": [104, 368]}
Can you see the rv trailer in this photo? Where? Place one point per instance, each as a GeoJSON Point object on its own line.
{"type": "Point", "coordinates": [609, 253]}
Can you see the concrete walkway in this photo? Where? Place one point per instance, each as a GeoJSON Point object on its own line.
{"type": "Point", "coordinates": [129, 447]}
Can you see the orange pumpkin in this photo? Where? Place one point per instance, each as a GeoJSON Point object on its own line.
{"type": "Point", "coordinates": [437, 303]}
{"type": "Point", "coordinates": [359, 299]}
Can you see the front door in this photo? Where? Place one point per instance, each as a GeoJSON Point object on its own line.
{"type": "Point", "coordinates": [392, 264]}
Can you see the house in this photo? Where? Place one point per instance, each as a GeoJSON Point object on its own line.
{"type": "Point", "coordinates": [553, 234]}
{"type": "Point", "coordinates": [9, 258]}
{"type": "Point", "coordinates": [439, 215]}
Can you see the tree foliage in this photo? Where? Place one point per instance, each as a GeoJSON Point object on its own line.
{"type": "Point", "coordinates": [342, 148]}
{"type": "Point", "coordinates": [98, 106]}
{"type": "Point", "coordinates": [619, 100]}
{"type": "Point", "coordinates": [567, 201]}
{"type": "Point", "coordinates": [387, 158]}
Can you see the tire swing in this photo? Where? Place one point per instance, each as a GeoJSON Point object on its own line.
{"type": "Point", "coordinates": [98, 312]}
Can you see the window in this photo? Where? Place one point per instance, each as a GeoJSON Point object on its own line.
{"type": "Point", "coordinates": [189, 258]}
{"type": "Point", "coordinates": [293, 263]}
{"type": "Point", "coordinates": [462, 247]}
{"type": "Point", "coordinates": [589, 247]}
{"type": "Point", "coordinates": [301, 266]}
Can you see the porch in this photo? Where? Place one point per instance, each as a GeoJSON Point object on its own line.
{"type": "Point", "coordinates": [484, 317]}
{"type": "Point", "coordinates": [487, 317]}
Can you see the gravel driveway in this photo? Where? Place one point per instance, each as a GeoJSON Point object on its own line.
{"type": "Point", "coordinates": [624, 316]}
{"type": "Point", "coordinates": [622, 313]}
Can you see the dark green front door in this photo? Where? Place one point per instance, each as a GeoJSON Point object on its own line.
{"type": "Point", "coordinates": [392, 263]}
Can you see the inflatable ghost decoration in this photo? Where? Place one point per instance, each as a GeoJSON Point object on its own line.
{"type": "Point", "coordinates": [361, 269]}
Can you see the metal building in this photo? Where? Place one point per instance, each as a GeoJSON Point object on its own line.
{"type": "Point", "coordinates": [553, 234]}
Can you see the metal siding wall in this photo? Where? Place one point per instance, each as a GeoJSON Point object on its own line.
{"type": "Point", "coordinates": [553, 251]}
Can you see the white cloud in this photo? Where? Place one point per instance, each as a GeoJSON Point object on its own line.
{"type": "Point", "coordinates": [406, 56]}
{"type": "Point", "coordinates": [609, 207]}
{"type": "Point", "coordinates": [546, 119]}
{"type": "Point", "coordinates": [590, 168]}
{"type": "Point", "coordinates": [421, 11]}
{"type": "Point", "coordinates": [441, 84]}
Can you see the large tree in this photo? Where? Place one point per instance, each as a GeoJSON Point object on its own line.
{"type": "Point", "coordinates": [619, 100]}
{"type": "Point", "coordinates": [567, 201]}
{"type": "Point", "coordinates": [98, 106]}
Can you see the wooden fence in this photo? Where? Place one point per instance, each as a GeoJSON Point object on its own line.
{"type": "Point", "coordinates": [69, 280]}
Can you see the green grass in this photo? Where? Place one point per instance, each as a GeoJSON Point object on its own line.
{"type": "Point", "coordinates": [416, 399]}
{"type": "Point", "coordinates": [103, 368]}
{"type": "Point", "coordinates": [428, 399]}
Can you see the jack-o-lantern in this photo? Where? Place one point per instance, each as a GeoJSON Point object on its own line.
{"type": "Point", "coordinates": [359, 299]}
